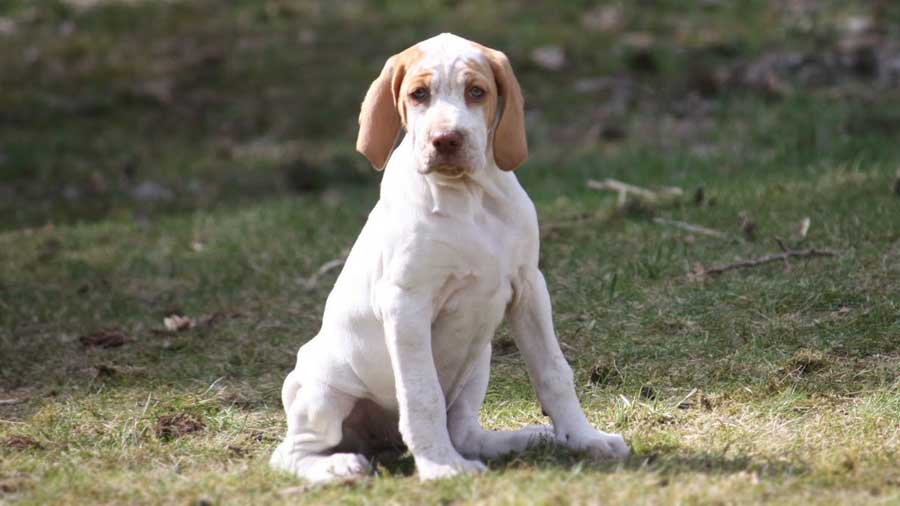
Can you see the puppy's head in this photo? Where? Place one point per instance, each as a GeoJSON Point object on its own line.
{"type": "Point", "coordinates": [459, 101]}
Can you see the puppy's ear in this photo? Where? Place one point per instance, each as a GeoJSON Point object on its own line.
{"type": "Point", "coordinates": [510, 142]}
{"type": "Point", "coordinates": [379, 116]}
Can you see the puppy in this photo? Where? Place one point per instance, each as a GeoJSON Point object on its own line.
{"type": "Point", "coordinates": [451, 247]}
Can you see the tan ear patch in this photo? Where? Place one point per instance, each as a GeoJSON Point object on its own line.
{"type": "Point", "coordinates": [510, 141]}
{"type": "Point", "coordinates": [379, 115]}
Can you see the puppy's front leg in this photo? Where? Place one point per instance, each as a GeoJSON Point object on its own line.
{"type": "Point", "coordinates": [532, 325]}
{"type": "Point", "coordinates": [406, 315]}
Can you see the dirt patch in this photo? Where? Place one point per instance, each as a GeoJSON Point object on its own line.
{"type": "Point", "coordinates": [176, 425]}
{"type": "Point", "coordinates": [237, 451]}
{"type": "Point", "coordinates": [804, 362]}
{"type": "Point", "coordinates": [15, 483]}
{"type": "Point", "coordinates": [107, 338]}
{"type": "Point", "coordinates": [605, 372]}
{"type": "Point", "coordinates": [21, 443]}
{"type": "Point", "coordinates": [105, 371]}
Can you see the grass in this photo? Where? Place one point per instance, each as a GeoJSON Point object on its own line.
{"type": "Point", "coordinates": [776, 384]}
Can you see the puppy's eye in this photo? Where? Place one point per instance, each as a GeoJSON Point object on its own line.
{"type": "Point", "coordinates": [476, 93]}
{"type": "Point", "coordinates": [419, 94]}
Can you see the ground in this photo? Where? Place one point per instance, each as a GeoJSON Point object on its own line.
{"type": "Point", "coordinates": [175, 175]}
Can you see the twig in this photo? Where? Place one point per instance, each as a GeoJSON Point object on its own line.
{"type": "Point", "coordinates": [756, 262]}
{"type": "Point", "coordinates": [682, 402]}
{"type": "Point", "coordinates": [328, 266]}
{"type": "Point", "coordinates": [690, 227]}
{"type": "Point", "coordinates": [624, 189]}
{"type": "Point", "coordinates": [619, 186]}
{"type": "Point", "coordinates": [784, 249]}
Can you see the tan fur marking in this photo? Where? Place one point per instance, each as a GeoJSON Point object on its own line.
{"type": "Point", "coordinates": [479, 73]}
{"type": "Point", "coordinates": [510, 141]}
{"type": "Point", "coordinates": [379, 116]}
{"type": "Point", "coordinates": [409, 84]}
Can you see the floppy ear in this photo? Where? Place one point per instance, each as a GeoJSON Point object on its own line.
{"type": "Point", "coordinates": [379, 120]}
{"type": "Point", "coordinates": [510, 142]}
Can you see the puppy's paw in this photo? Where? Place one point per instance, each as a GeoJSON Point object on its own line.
{"type": "Point", "coordinates": [339, 466]}
{"type": "Point", "coordinates": [601, 446]}
{"type": "Point", "coordinates": [430, 469]}
{"type": "Point", "coordinates": [320, 468]}
{"type": "Point", "coordinates": [283, 458]}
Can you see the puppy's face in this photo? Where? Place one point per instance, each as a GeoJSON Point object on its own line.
{"type": "Point", "coordinates": [459, 102]}
{"type": "Point", "coordinates": [448, 103]}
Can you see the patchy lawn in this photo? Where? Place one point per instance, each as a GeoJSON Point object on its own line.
{"type": "Point", "coordinates": [174, 175]}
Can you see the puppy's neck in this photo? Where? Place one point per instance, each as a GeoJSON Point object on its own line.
{"type": "Point", "coordinates": [434, 193]}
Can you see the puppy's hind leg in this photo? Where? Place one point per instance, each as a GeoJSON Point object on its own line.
{"type": "Point", "coordinates": [315, 413]}
{"type": "Point", "coordinates": [467, 434]}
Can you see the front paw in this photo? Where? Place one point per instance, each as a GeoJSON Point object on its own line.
{"type": "Point", "coordinates": [435, 469]}
{"type": "Point", "coordinates": [600, 445]}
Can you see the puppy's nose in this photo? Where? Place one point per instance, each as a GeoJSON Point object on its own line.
{"type": "Point", "coordinates": [447, 143]}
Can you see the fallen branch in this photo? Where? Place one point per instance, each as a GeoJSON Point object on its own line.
{"type": "Point", "coordinates": [690, 227]}
{"type": "Point", "coordinates": [327, 267]}
{"type": "Point", "coordinates": [651, 196]}
{"type": "Point", "coordinates": [700, 271]}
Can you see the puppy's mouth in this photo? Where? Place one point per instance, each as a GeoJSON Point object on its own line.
{"type": "Point", "coordinates": [446, 170]}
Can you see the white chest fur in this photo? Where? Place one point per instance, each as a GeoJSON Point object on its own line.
{"type": "Point", "coordinates": [464, 247]}
{"type": "Point", "coordinates": [460, 244]}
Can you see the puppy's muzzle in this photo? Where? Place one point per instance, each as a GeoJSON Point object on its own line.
{"type": "Point", "coordinates": [447, 144]}
{"type": "Point", "coordinates": [447, 156]}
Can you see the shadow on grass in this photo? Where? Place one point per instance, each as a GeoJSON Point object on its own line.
{"type": "Point", "coordinates": [549, 457]}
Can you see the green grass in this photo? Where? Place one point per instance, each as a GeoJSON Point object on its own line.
{"type": "Point", "coordinates": [778, 384]}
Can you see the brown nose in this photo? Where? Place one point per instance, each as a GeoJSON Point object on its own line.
{"type": "Point", "coordinates": [447, 143]}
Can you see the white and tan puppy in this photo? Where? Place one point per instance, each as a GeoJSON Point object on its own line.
{"type": "Point", "coordinates": [403, 356]}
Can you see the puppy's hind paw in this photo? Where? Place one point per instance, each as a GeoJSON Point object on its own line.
{"type": "Point", "coordinates": [339, 466]}
{"type": "Point", "coordinates": [429, 470]}
{"type": "Point", "coordinates": [321, 468]}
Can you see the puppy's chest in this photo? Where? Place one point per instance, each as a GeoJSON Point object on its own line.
{"type": "Point", "coordinates": [481, 264]}
{"type": "Point", "coordinates": [470, 303]}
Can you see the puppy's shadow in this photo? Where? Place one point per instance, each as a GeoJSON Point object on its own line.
{"type": "Point", "coordinates": [548, 456]}
{"type": "Point", "coordinates": [668, 462]}
{"type": "Point", "coordinates": [394, 463]}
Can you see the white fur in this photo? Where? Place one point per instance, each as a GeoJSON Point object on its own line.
{"type": "Point", "coordinates": [404, 348]}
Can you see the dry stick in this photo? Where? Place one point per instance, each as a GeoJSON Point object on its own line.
{"type": "Point", "coordinates": [690, 227]}
{"type": "Point", "coordinates": [784, 249]}
{"type": "Point", "coordinates": [328, 266]}
{"type": "Point", "coordinates": [624, 189]}
{"type": "Point", "coordinates": [653, 196]}
{"type": "Point", "coordinates": [619, 186]}
{"type": "Point", "coordinates": [775, 257]}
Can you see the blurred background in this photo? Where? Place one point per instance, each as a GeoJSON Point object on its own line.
{"type": "Point", "coordinates": [179, 187]}
{"type": "Point", "coordinates": [134, 109]}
